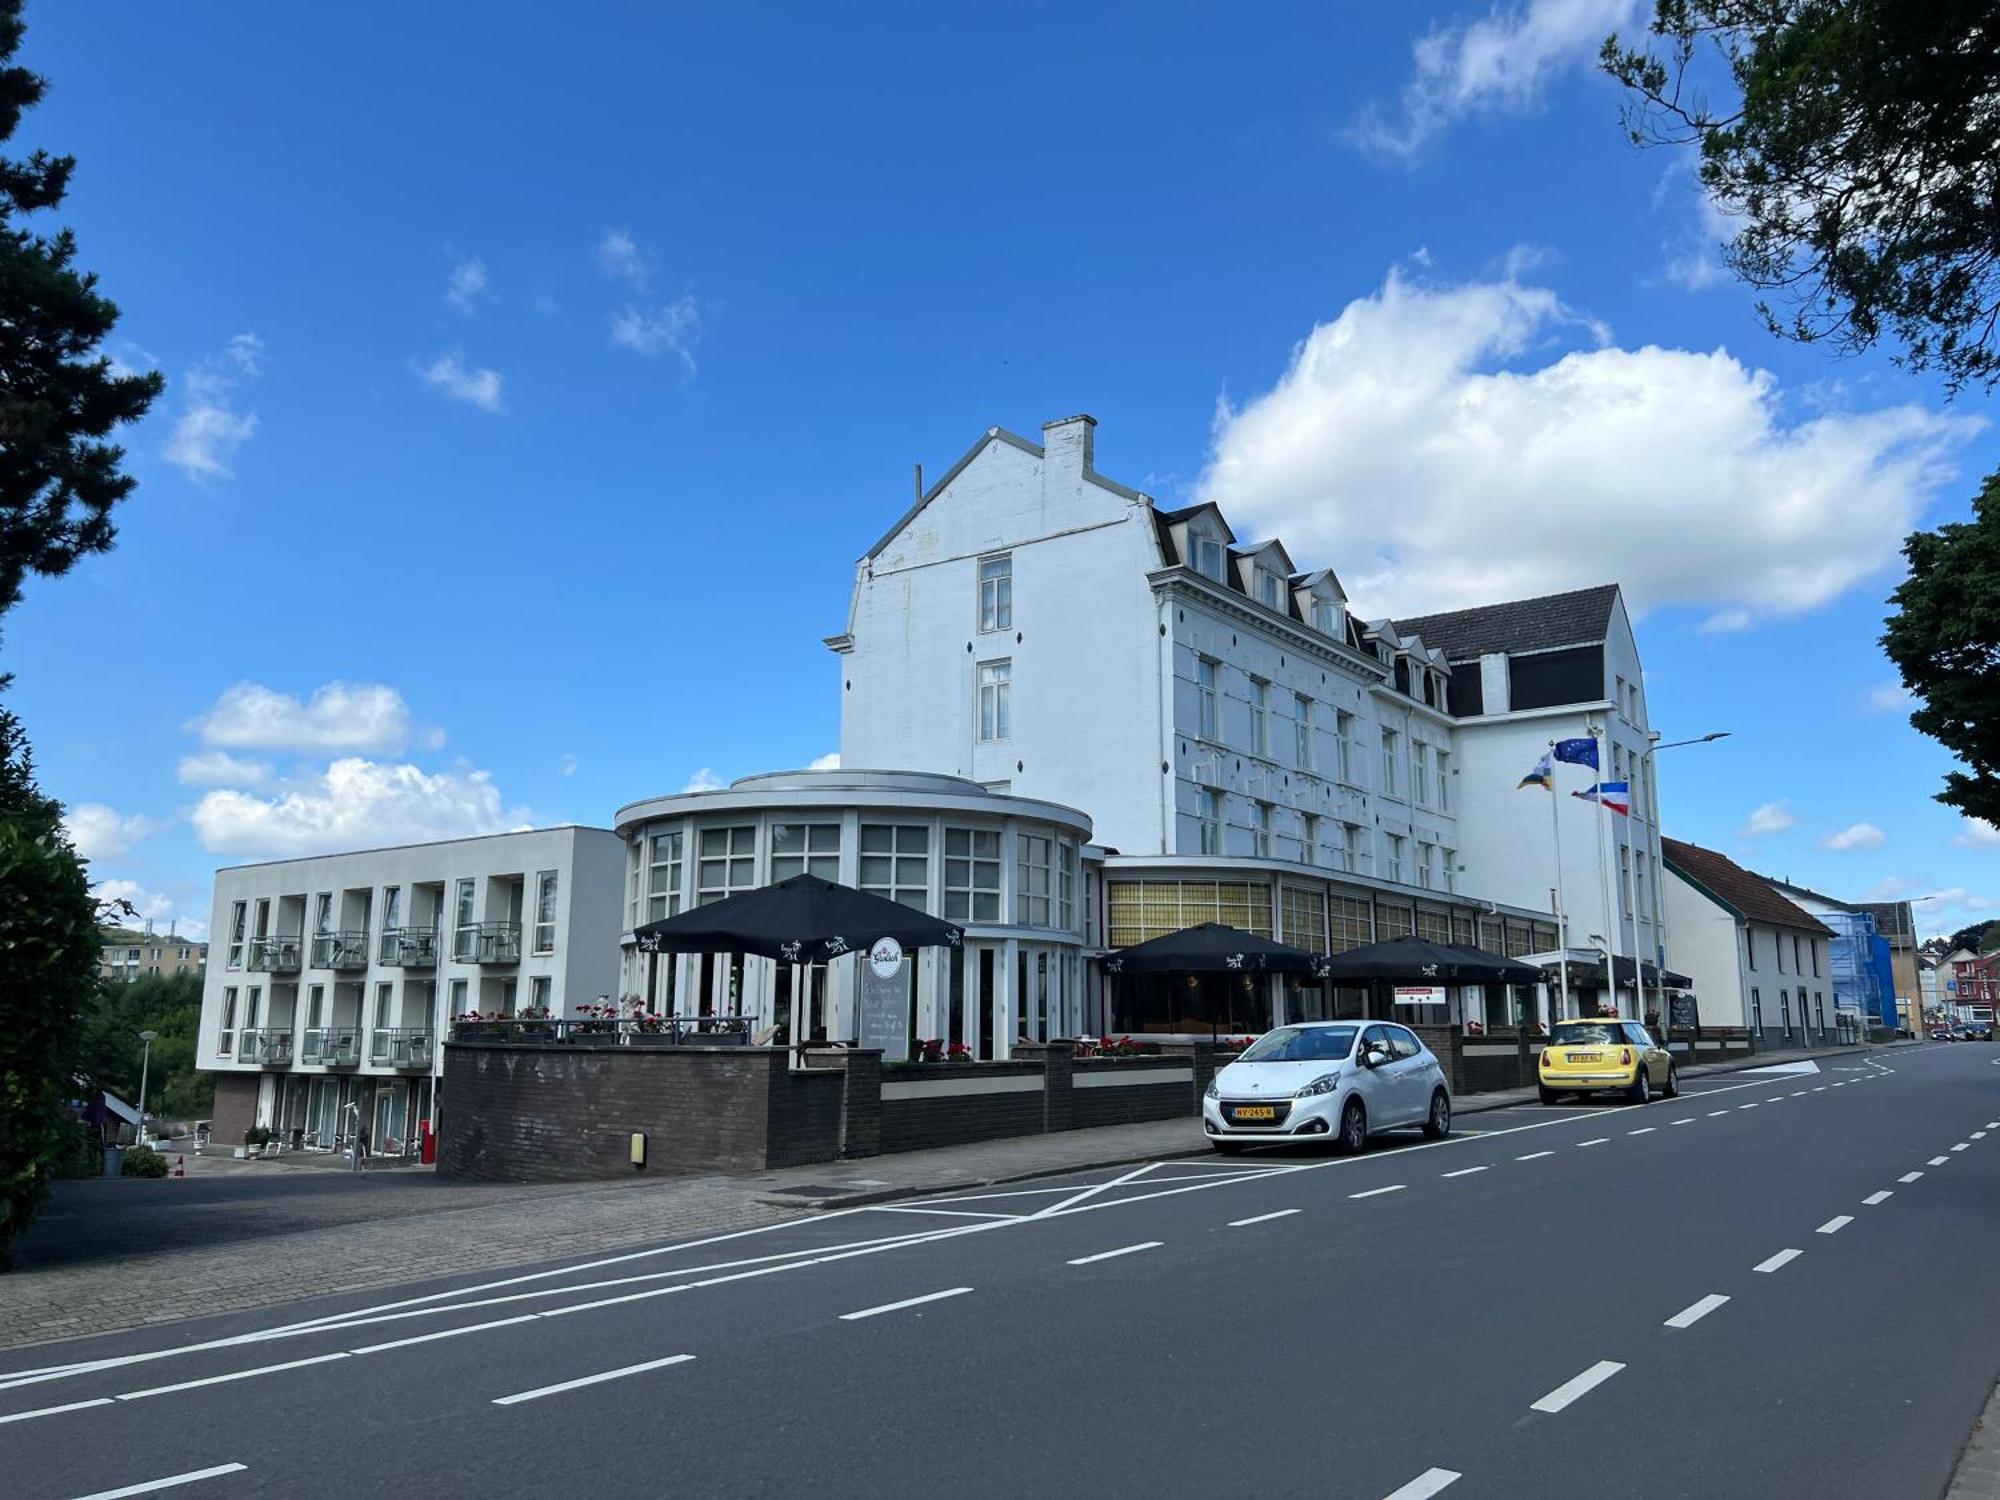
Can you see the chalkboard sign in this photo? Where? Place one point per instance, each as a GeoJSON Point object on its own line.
{"type": "Point", "coordinates": [884, 992]}
{"type": "Point", "coordinates": [1681, 1010]}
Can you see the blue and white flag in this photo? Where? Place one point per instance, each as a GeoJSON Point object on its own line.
{"type": "Point", "coordinates": [1577, 752]}
{"type": "Point", "coordinates": [1616, 795]}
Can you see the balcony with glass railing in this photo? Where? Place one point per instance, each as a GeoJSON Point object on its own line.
{"type": "Point", "coordinates": [340, 950]}
{"type": "Point", "coordinates": [410, 947]}
{"type": "Point", "coordinates": [400, 1047]}
{"type": "Point", "coordinates": [276, 955]}
{"type": "Point", "coordinates": [266, 1047]}
{"type": "Point", "coordinates": [487, 943]}
{"type": "Point", "coordinates": [332, 1047]}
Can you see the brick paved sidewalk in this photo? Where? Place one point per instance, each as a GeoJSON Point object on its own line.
{"type": "Point", "coordinates": [120, 1253]}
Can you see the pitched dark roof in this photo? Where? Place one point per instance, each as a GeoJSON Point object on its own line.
{"type": "Point", "coordinates": [1893, 919]}
{"type": "Point", "coordinates": [1520, 625]}
{"type": "Point", "coordinates": [1736, 888]}
{"type": "Point", "coordinates": [1806, 890]}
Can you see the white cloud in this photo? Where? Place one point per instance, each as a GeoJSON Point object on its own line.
{"type": "Point", "coordinates": [449, 374]}
{"type": "Point", "coordinates": [704, 780]}
{"type": "Point", "coordinates": [827, 762]}
{"type": "Point", "coordinates": [1431, 445]}
{"type": "Point", "coordinates": [1694, 256]}
{"type": "Point", "coordinates": [1855, 837]}
{"type": "Point", "coordinates": [354, 803]}
{"type": "Point", "coordinates": [1976, 833]}
{"type": "Point", "coordinates": [339, 716]}
{"type": "Point", "coordinates": [619, 257]}
{"type": "Point", "coordinates": [1772, 817]}
{"type": "Point", "coordinates": [161, 908]}
{"type": "Point", "coordinates": [466, 284]}
{"type": "Point", "coordinates": [220, 768]}
{"type": "Point", "coordinates": [210, 429]}
{"type": "Point", "coordinates": [1889, 697]}
{"type": "Point", "coordinates": [670, 326]}
{"type": "Point", "coordinates": [99, 832]}
{"type": "Point", "coordinates": [1502, 63]}
{"type": "Point", "coordinates": [567, 765]}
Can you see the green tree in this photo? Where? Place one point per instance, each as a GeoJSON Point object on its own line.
{"type": "Point", "coordinates": [1945, 639]}
{"type": "Point", "coordinates": [59, 479]}
{"type": "Point", "coordinates": [1858, 151]}
{"type": "Point", "coordinates": [112, 1055]}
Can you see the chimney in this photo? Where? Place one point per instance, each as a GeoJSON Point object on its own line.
{"type": "Point", "coordinates": [1067, 442]}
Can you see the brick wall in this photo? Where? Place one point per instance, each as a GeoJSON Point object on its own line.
{"type": "Point", "coordinates": [954, 1103]}
{"type": "Point", "coordinates": [1127, 1103]}
{"type": "Point", "coordinates": [235, 1108]}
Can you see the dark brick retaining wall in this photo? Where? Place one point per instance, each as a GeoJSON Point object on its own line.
{"type": "Point", "coordinates": [235, 1108]}
{"type": "Point", "coordinates": [952, 1119]}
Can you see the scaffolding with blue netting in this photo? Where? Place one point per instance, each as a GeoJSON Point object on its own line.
{"type": "Point", "coordinates": [1862, 979]}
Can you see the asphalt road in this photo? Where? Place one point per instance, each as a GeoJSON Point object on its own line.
{"type": "Point", "coordinates": [1775, 1285]}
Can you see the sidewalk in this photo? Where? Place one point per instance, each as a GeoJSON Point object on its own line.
{"type": "Point", "coordinates": [112, 1254]}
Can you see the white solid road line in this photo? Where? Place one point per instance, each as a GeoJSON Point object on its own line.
{"type": "Point", "coordinates": [170, 1482]}
{"type": "Point", "coordinates": [444, 1333]}
{"type": "Point", "coordinates": [1779, 1261]}
{"type": "Point", "coordinates": [1466, 1171]}
{"type": "Point", "coordinates": [1085, 1260]}
{"type": "Point", "coordinates": [1394, 1187]}
{"type": "Point", "coordinates": [889, 1307]}
{"type": "Point", "coordinates": [1534, 1156]}
{"type": "Point", "coordinates": [1835, 1224]}
{"type": "Point", "coordinates": [570, 1385]}
{"type": "Point", "coordinates": [1580, 1385]}
{"type": "Point", "coordinates": [1647, 1130]}
{"type": "Point", "coordinates": [1937, 1161]}
{"type": "Point", "coordinates": [50, 1411]}
{"type": "Point", "coordinates": [1694, 1312]}
{"type": "Point", "coordinates": [1425, 1485]}
{"type": "Point", "coordinates": [1874, 1198]}
{"type": "Point", "coordinates": [1909, 1177]}
{"type": "Point", "coordinates": [1602, 1140]}
{"type": "Point", "coordinates": [1262, 1218]}
{"type": "Point", "coordinates": [188, 1385]}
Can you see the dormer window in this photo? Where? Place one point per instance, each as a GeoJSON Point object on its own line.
{"type": "Point", "coordinates": [1326, 617]}
{"type": "Point", "coordinates": [1207, 557]}
{"type": "Point", "coordinates": [1270, 591]}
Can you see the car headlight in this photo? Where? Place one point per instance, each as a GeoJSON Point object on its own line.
{"type": "Point", "coordinates": [1214, 1089]}
{"type": "Point", "coordinates": [1326, 1083]}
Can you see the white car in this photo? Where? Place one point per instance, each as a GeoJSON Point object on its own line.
{"type": "Point", "coordinates": [1330, 1080]}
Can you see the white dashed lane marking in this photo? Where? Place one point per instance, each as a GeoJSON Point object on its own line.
{"type": "Point", "coordinates": [1909, 1177]}
{"type": "Point", "coordinates": [1085, 1260]}
{"type": "Point", "coordinates": [1262, 1218]}
{"type": "Point", "coordinates": [1835, 1224]}
{"type": "Point", "coordinates": [171, 1482]}
{"type": "Point", "coordinates": [1778, 1262]}
{"type": "Point", "coordinates": [1874, 1198]}
{"type": "Point", "coordinates": [1580, 1385]}
{"type": "Point", "coordinates": [1600, 1141]}
{"type": "Point", "coordinates": [1647, 1130]}
{"type": "Point", "coordinates": [1394, 1187]}
{"type": "Point", "coordinates": [1688, 1121]}
{"type": "Point", "coordinates": [1465, 1171]}
{"type": "Point", "coordinates": [1694, 1312]}
{"type": "Point", "coordinates": [1963, 1146]}
{"type": "Point", "coordinates": [1534, 1156]}
{"type": "Point", "coordinates": [1714, 1112]}
{"type": "Point", "coordinates": [1937, 1161]}
{"type": "Point", "coordinates": [1425, 1485]}
{"type": "Point", "coordinates": [889, 1307]}
{"type": "Point", "coordinates": [652, 1364]}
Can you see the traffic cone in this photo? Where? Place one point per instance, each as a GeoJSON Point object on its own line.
{"type": "Point", "coordinates": [180, 1166]}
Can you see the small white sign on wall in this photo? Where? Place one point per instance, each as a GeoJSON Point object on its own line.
{"type": "Point", "coordinates": [1408, 994]}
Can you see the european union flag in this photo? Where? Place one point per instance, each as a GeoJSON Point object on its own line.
{"type": "Point", "coordinates": [1578, 752]}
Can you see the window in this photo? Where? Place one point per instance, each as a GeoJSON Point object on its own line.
{"type": "Point", "coordinates": [663, 877]}
{"type": "Point", "coordinates": [728, 863]}
{"type": "Point", "coordinates": [1260, 824]}
{"type": "Point", "coordinates": [635, 867]}
{"type": "Point", "coordinates": [1066, 866]}
{"type": "Point", "coordinates": [385, 995]}
{"type": "Point", "coordinates": [1208, 557]}
{"type": "Point", "coordinates": [1260, 717]}
{"type": "Point", "coordinates": [1389, 753]}
{"type": "Point", "coordinates": [971, 875]}
{"type": "Point", "coordinates": [1819, 1007]}
{"type": "Point", "coordinates": [896, 863]}
{"type": "Point", "coordinates": [545, 912]}
{"type": "Point", "coordinates": [1327, 618]}
{"type": "Point", "coordinates": [1625, 876]}
{"type": "Point", "coordinates": [1270, 590]}
{"type": "Point", "coordinates": [1756, 1011]}
{"type": "Point", "coordinates": [1420, 772]}
{"type": "Point", "coordinates": [1302, 731]}
{"type": "Point", "coordinates": [1350, 847]}
{"type": "Point", "coordinates": [457, 998]}
{"type": "Point", "coordinates": [1034, 875]}
{"type": "Point", "coordinates": [1309, 843]}
{"type": "Point", "coordinates": [996, 592]}
{"type": "Point", "coordinates": [1778, 948]}
{"type": "Point", "coordinates": [1444, 780]}
{"type": "Point", "coordinates": [226, 1042]}
{"type": "Point", "coordinates": [1343, 728]}
{"type": "Point", "coordinates": [539, 989]}
{"type": "Point", "coordinates": [1750, 945]}
{"type": "Point", "coordinates": [1395, 843]}
{"type": "Point", "coordinates": [1208, 814]}
{"type": "Point", "coordinates": [236, 919]}
{"type": "Point", "coordinates": [1204, 692]}
{"type": "Point", "coordinates": [1797, 967]}
{"type": "Point", "coordinates": [1403, 1044]}
{"type": "Point", "coordinates": [1785, 1009]}
{"type": "Point", "coordinates": [1813, 947]}
{"type": "Point", "coordinates": [996, 712]}
{"type": "Point", "coordinates": [392, 907]}
{"type": "Point", "coordinates": [323, 913]}
{"type": "Point", "coordinates": [805, 849]}
{"type": "Point", "coordinates": [1451, 870]}
{"type": "Point", "coordinates": [316, 1005]}
{"type": "Point", "coordinates": [1425, 854]}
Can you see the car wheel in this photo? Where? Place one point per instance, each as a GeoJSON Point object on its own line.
{"type": "Point", "coordinates": [1353, 1128]}
{"type": "Point", "coordinates": [1227, 1148]}
{"type": "Point", "coordinates": [1641, 1091]}
{"type": "Point", "coordinates": [1549, 1096]}
{"type": "Point", "coordinates": [1437, 1125]}
{"type": "Point", "coordinates": [1673, 1088]}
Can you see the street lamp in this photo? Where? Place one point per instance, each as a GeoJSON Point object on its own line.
{"type": "Point", "coordinates": [145, 1061]}
{"type": "Point", "coordinates": [1659, 879]}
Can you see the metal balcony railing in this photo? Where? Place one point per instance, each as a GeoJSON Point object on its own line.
{"type": "Point", "coordinates": [332, 1047]}
{"type": "Point", "coordinates": [265, 1046]}
{"type": "Point", "coordinates": [400, 1047]}
{"type": "Point", "coordinates": [276, 955]}
{"type": "Point", "coordinates": [487, 943]}
{"type": "Point", "coordinates": [340, 950]}
{"type": "Point", "coordinates": [410, 947]}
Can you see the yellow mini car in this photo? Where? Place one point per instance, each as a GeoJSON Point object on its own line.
{"type": "Point", "coordinates": [1584, 1057]}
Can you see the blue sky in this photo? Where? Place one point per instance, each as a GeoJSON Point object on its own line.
{"type": "Point", "coordinates": [537, 376]}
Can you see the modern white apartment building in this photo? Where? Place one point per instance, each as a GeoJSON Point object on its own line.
{"type": "Point", "coordinates": [332, 979]}
{"type": "Point", "coordinates": [1042, 629]}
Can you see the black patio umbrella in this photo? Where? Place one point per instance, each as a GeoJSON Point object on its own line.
{"type": "Point", "coordinates": [1411, 960]}
{"type": "Point", "coordinates": [801, 920]}
{"type": "Point", "coordinates": [1210, 948]}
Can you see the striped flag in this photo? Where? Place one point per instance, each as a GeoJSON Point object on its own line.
{"type": "Point", "coordinates": [1616, 795]}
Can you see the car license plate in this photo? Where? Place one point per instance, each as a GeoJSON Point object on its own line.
{"type": "Point", "coordinates": [1255, 1112]}
{"type": "Point", "coordinates": [1584, 1057]}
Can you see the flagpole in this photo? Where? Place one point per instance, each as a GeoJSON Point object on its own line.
{"type": "Point", "coordinates": [1562, 921]}
{"type": "Point", "coordinates": [1614, 925]}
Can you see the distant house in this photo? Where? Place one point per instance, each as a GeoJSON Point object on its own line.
{"type": "Point", "coordinates": [1860, 959]}
{"type": "Point", "coordinates": [124, 955]}
{"type": "Point", "coordinates": [1758, 960]}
